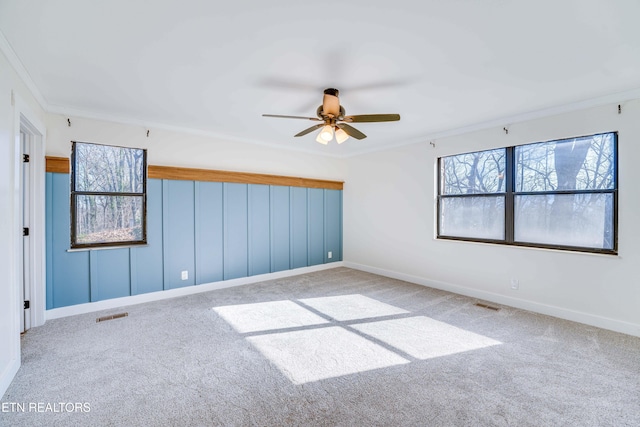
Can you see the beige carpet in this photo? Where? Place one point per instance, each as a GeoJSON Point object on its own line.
{"type": "Point", "coordinates": [333, 348]}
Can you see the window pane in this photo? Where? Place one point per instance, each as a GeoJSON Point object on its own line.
{"type": "Point", "coordinates": [103, 219]}
{"type": "Point", "coordinates": [473, 217]}
{"type": "Point", "coordinates": [582, 220]}
{"type": "Point", "coordinates": [108, 169]}
{"type": "Point", "coordinates": [474, 173]}
{"type": "Point", "coordinates": [584, 163]}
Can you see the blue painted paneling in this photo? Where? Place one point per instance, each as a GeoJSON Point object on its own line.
{"type": "Point", "coordinates": [110, 276]}
{"type": "Point", "coordinates": [178, 233]}
{"type": "Point", "coordinates": [315, 213]}
{"type": "Point", "coordinates": [333, 225]}
{"type": "Point", "coordinates": [299, 243]}
{"type": "Point", "coordinates": [259, 245]}
{"type": "Point", "coordinates": [235, 231]}
{"type": "Point", "coordinates": [209, 265]}
{"type": "Point", "coordinates": [280, 228]}
{"type": "Point", "coordinates": [214, 231]}
{"type": "Point", "coordinates": [70, 274]}
{"type": "Point", "coordinates": [146, 261]}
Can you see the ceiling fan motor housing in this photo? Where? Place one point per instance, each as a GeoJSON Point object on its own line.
{"type": "Point", "coordinates": [331, 103]}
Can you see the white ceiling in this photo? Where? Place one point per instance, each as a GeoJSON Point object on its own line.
{"type": "Point", "coordinates": [214, 67]}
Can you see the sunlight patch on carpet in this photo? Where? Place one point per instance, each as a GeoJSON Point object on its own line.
{"type": "Point", "coordinates": [318, 354]}
{"type": "Point", "coordinates": [306, 347]}
{"type": "Point", "coordinates": [266, 316]}
{"type": "Point", "coordinates": [352, 307]}
{"type": "Point", "coordinates": [425, 338]}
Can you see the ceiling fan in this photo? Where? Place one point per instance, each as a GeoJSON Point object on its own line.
{"type": "Point", "coordinates": [335, 121]}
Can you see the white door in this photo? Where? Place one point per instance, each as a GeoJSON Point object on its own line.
{"type": "Point", "coordinates": [25, 319]}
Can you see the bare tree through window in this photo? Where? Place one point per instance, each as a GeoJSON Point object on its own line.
{"type": "Point", "coordinates": [480, 178]}
{"type": "Point", "coordinates": [564, 192]}
{"type": "Point", "coordinates": [108, 195]}
{"type": "Point", "coordinates": [559, 194]}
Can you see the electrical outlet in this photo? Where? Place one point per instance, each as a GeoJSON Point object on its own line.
{"type": "Point", "coordinates": [515, 284]}
{"type": "Point", "coordinates": [330, 255]}
{"type": "Point", "coordinates": [185, 275]}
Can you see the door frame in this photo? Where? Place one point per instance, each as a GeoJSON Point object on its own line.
{"type": "Point", "coordinates": [27, 122]}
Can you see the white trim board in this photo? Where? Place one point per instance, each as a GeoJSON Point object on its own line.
{"type": "Point", "coordinates": [90, 307]}
{"type": "Point", "coordinates": [18, 66]}
{"type": "Point", "coordinates": [559, 312]}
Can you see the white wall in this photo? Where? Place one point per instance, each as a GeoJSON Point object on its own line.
{"type": "Point", "coordinates": [10, 226]}
{"type": "Point", "coordinates": [389, 227]}
{"type": "Point", "coordinates": [171, 148]}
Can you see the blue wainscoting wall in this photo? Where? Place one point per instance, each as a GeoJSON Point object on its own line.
{"type": "Point", "coordinates": [214, 231]}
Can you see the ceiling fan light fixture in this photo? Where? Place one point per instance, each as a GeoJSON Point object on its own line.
{"type": "Point", "coordinates": [321, 140]}
{"type": "Point", "coordinates": [334, 122]}
{"type": "Point", "coordinates": [326, 133]}
{"type": "Point", "coordinates": [341, 136]}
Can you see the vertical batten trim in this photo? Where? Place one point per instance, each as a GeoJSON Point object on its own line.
{"type": "Point", "coordinates": [291, 245]}
{"type": "Point", "coordinates": [325, 231]}
{"type": "Point", "coordinates": [49, 244]}
{"type": "Point", "coordinates": [248, 221]}
{"type": "Point", "coordinates": [269, 222]}
{"type": "Point", "coordinates": [308, 228]}
{"type": "Point", "coordinates": [340, 226]}
{"type": "Point", "coordinates": [249, 230]}
{"type": "Point", "coordinates": [165, 231]}
{"type": "Point", "coordinates": [272, 261]}
{"type": "Point", "coordinates": [93, 275]}
{"type": "Point", "coordinates": [225, 234]}
{"type": "Point", "coordinates": [196, 230]}
{"type": "Point", "coordinates": [162, 242]}
{"type": "Point", "coordinates": [223, 249]}
{"type": "Point", "coordinates": [133, 271]}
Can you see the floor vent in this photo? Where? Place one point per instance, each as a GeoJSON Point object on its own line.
{"type": "Point", "coordinates": [489, 307]}
{"type": "Point", "coordinates": [112, 316]}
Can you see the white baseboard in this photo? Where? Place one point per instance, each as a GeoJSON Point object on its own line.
{"type": "Point", "coordinates": [72, 310]}
{"type": "Point", "coordinates": [7, 376]}
{"type": "Point", "coordinates": [562, 313]}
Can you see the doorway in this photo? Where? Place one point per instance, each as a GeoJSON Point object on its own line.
{"type": "Point", "coordinates": [30, 215]}
{"type": "Point", "coordinates": [25, 289]}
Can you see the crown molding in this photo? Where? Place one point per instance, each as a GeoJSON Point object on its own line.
{"type": "Point", "coordinates": [18, 66]}
{"type": "Point", "coordinates": [92, 115]}
{"type": "Point", "coordinates": [614, 98]}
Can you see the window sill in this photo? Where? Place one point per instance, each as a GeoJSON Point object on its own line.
{"type": "Point", "coordinates": [105, 248]}
{"type": "Point", "coordinates": [528, 247]}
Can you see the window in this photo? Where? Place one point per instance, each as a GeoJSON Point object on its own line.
{"type": "Point", "coordinates": [108, 195]}
{"type": "Point", "coordinates": [558, 194]}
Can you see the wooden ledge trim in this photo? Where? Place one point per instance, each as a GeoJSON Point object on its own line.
{"type": "Point", "coordinates": [189, 174]}
{"type": "Point", "coordinates": [61, 165]}
{"type": "Point", "coordinates": [57, 164]}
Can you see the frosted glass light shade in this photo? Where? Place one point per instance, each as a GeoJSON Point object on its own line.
{"type": "Point", "coordinates": [341, 136]}
{"type": "Point", "coordinates": [321, 140]}
{"type": "Point", "coordinates": [327, 133]}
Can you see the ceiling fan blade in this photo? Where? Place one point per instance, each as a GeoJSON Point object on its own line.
{"type": "Point", "coordinates": [351, 131]}
{"type": "Point", "coordinates": [371, 118]}
{"type": "Point", "coordinates": [309, 130]}
{"type": "Point", "coordinates": [315, 119]}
